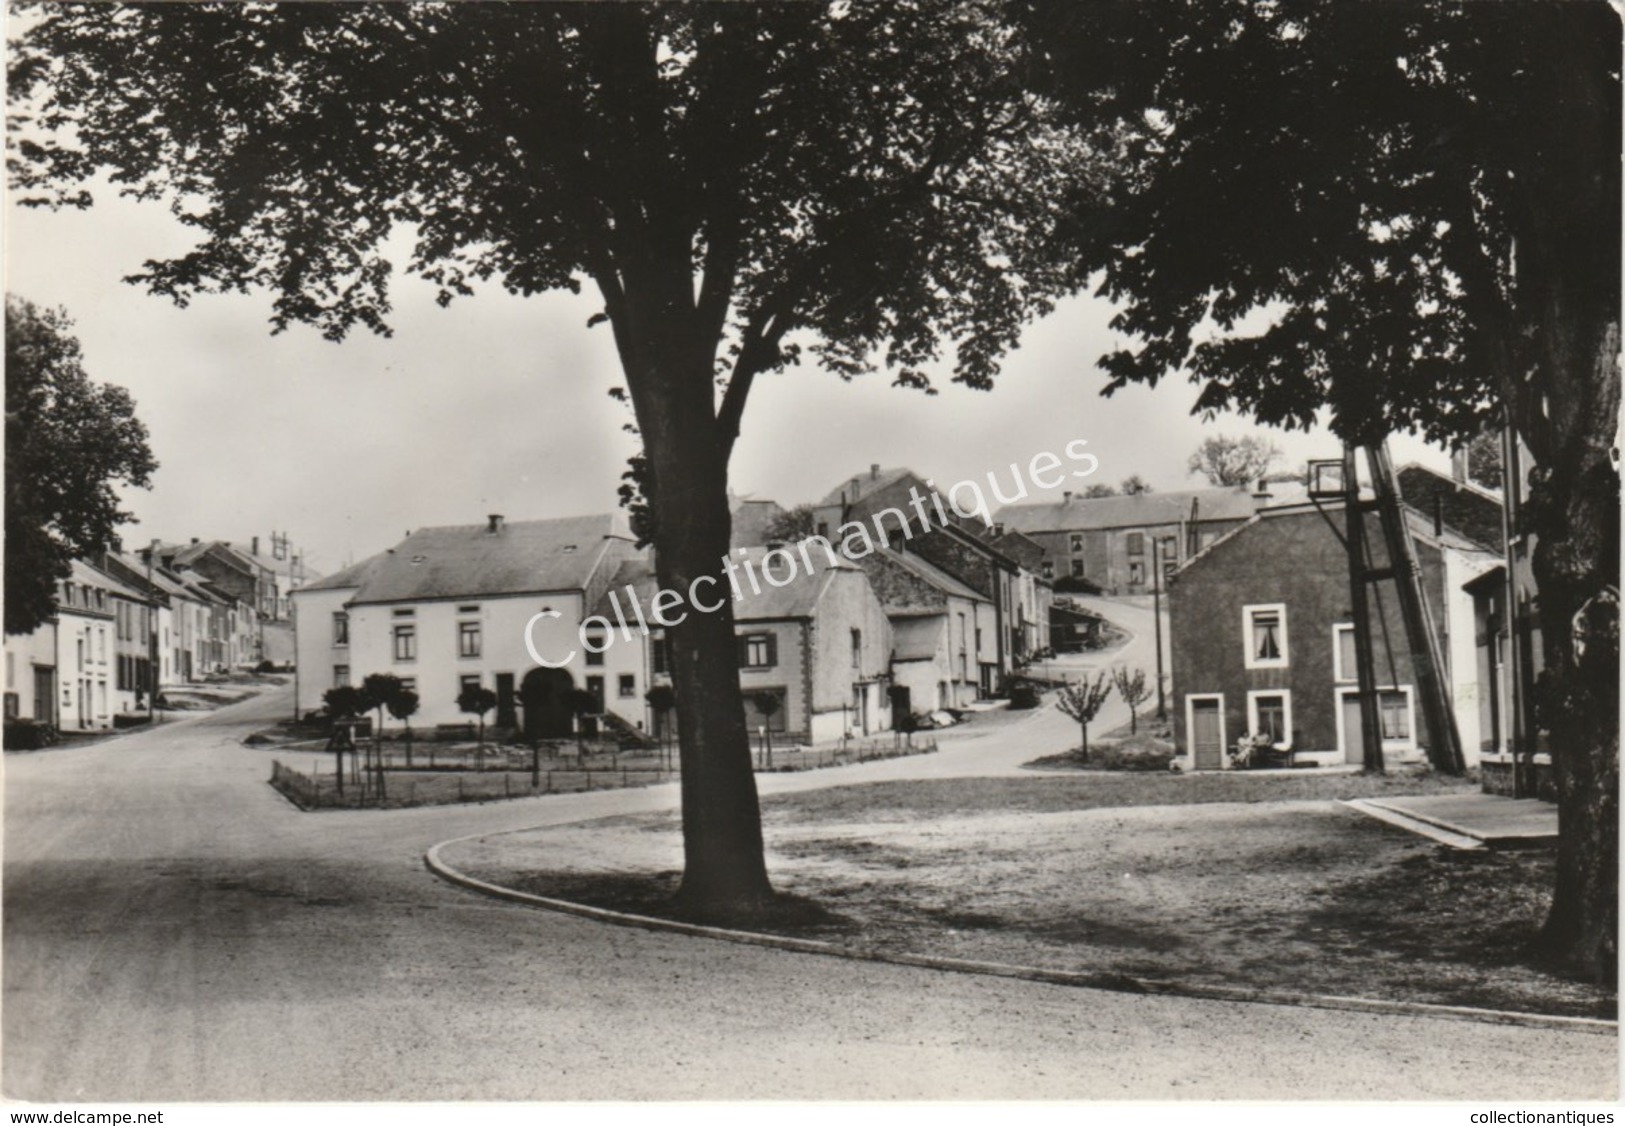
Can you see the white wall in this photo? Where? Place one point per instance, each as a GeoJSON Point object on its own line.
{"type": "Point", "coordinates": [1462, 652]}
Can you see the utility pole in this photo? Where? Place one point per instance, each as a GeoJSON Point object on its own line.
{"type": "Point", "coordinates": [152, 639]}
{"type": "Point", "coordinates": [1156, 623]}
{"type": "Point", "coordinates": [1359, 576]}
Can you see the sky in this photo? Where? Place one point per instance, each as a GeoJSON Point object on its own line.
{"type": "Point", "coordinates": [500, 404]}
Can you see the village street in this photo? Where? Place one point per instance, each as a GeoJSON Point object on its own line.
{"type": "Point", "coordinates": [175, 930]}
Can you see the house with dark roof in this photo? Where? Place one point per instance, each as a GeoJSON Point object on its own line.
{"type": "Point", "coordinates": [812, 637]}
{"type": "Point", "coordinates": [899, 508]}
{"type": "Point", "coordinates": [471, 604]}
{"type": "Point", "coordinates": [1262, 639]}
{"type": "Point", "coordinates": [1114, 542]}
{"type": "Point", "coordinates": [943, 652]}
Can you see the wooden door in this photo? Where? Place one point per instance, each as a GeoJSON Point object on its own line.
{"type": "Point", "coordinates": [1353, 728]}
{"type": "Point", "coordinates": [1207, 734]}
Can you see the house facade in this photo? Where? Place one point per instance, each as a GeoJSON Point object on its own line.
{"type": "Point", "coordinates": [1114, 543]}
{"type": "Point", "coordinates": [1262, 640]}
{"type": "Point", "coordinates": [31, 675]}
{"type": "Point", "coordinates": [892, 506]}
{"type": "Point", "coordinates": [818, 644]}
{"type": "Point", "coordinates": [943, 654]}
{"type": "Point", "coordinates": [452, 607]}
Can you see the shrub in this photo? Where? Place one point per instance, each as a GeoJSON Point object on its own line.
{"type": "Point", "coordinates": [131, 719]}
{"type": "Point", "coordinates": [28, 735]}
{"type": "Point", "coordinates": [1137, 752]}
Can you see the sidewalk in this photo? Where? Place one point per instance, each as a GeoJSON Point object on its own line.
{"type": "Point", "coordinates": [1469, 820]}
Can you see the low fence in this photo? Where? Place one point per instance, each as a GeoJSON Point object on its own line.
{"type": "Point", "coordinates": [843, 754]}
{"type": "Point", "coordinates": [401, 788]}
{"type": "Point", "coordinates": [508, 773]}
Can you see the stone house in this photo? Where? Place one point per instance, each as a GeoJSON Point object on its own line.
{"type": "Point", "coordinates": [1262, 642]}
{"type": "Point", "coordinates": [1113, 542]}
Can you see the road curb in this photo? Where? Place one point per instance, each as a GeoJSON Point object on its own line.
{"type": "Point", "coordinates": [1114, 983]}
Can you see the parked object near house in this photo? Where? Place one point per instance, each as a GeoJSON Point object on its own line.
{"type": "Point", "coordinates": [1262, 641]}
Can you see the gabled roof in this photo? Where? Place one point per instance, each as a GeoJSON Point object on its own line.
{"type": "Point", "coordinates": [86, 575]}
{"type": "Point", "coordinates": [928, 572]}
{"type": "Point", "coordinates": [1473, 511]}
{"type": "Point", "coordinates": [1420, 525]}
{"type": "Point", "coordinates": [135, 569]}
{"type": "Point", "coordinates": [471, 561]}
{"type": "Point", "coordinates": [349, 578]}
{"type": "Point", "coordinates": [1081, 514]}
{"type": "Point", "coordinates": [860, 485]}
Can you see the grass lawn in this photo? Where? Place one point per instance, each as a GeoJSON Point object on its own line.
{"type": "Point", "coordinates": [1260, 882]}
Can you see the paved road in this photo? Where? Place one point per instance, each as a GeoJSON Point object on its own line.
{"type": "Point", "coordinates": [173, 930]}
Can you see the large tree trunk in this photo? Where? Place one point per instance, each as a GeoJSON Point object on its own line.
{"type": "Point", "coordinates": [724, 871]}
{"type": "Point", "coordinates": [1575, 513]}
{"type": "Point", "coordinates": [1568, 294]}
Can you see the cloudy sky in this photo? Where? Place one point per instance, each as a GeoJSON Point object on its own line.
{"type": "Point", "coordinates": [500, 404]}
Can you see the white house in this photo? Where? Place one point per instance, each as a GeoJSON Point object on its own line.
{"type": "Point", "coordinates": [450, 607]}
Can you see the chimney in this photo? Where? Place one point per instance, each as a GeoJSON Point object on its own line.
{"type": "Point", "coordinates": [1438, 514]}
{"type": "Point", "coordinates": [1066, 498]}
{"type": "Point", "coordinates": [256, 543]}
{"type": "Point", "coordinates": [874, 471]}
{"type": "Point", "coordinates": [1261, 490]}
{"type": "Point", "coordinates": [998, 529]}
{"type": "Point", "coordinates": [1458, 465]}
{"type": "Point", "coordinates": [493, 523]}
{"type": "Point", "coordinates": [194, 541]}
{"type": "Point", "coordinates": [117, 545]}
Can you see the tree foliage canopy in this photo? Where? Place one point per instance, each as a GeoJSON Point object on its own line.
{"type": "Point", "coordinates": [1358, 174]}
{"type": "Point", "coordinates": [1230, 462]}
{"type": "Point", "coordinates": [69, 443]}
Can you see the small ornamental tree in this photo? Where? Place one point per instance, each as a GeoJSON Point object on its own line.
{"type": "Point", "coordinates": [379, 689]}
{"type": "Point", "coordinates": [1134, 690]}
{"type": "Point", "coordinates": [343, 702]}
{"type": "Point", "coordinates": [768, 704]}
{"type": "Point", "coordinates": [662, 698]}
{"type": "Point", "coordinates": [1136, 486]}
{"type": "Point", "coordinates": [1083, 701]}
{"type": "Point", "coordinates": [583, 705]}
{"type": "Point", "coordinates": [403, 706]}
{"type": "Point", "coordinates": [476, 700]}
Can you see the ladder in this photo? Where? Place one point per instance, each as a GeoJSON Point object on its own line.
{"type": "Point", "coordinates": [1402, 567]}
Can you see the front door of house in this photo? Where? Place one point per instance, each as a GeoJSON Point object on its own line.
{"type": "Point", "coordinates": [44, 694]}
{"type": "Point", "coordinates": [1207, 735]}
{"type": "Point", "coordinates": [1353, 728]}
{"type": "Point", "coordinates": [505, 712]}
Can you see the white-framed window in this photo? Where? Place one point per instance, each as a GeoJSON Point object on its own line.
{"type": "Point", "coordinates": [406, 643]}
{"type": "Point", "coordinates": [341, 676]}
{"type": "Point", "coordinates": [468, 639]}
{"type": "Point", "coordinates": [1263, 631]}
{"type": "Point", "coordinates": [1397, 715]}
{"type": "Point", "coordinates": [1269, 712]}
{"type": "Point", "coordinates": [1076, 542]}
{"type": "Point", "coordinates": [627, 686]}
{"type": "Point", "coordinates": [1344, 666]}
{"type": "Point", "coordinates": [341, 628]}
{"type": "Point", "coordinates": [1077, 568]}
